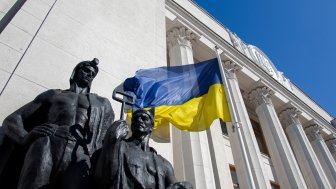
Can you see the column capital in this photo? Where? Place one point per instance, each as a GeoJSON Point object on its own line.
{"type": "Point", "coordinates": [331, 142]}
{"type": "Point", "coordinates": [259, 94]}
{"type": "Point", "coordinates": [180, 36]}
{"type": "Point", "coordinates": [313, 130]}
{"type": "Point", "coordinates": [289, 116]}
{"type": "Point", "coordinates": [231, 68]}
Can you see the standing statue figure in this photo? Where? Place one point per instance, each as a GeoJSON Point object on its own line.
{"type": "Point", "coordinates": [54, 136]}
{"type": "Point", "coordinates": [130, 163]}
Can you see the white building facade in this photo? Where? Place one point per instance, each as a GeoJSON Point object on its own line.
{"type": "Point", "coordinates": [279, 137]}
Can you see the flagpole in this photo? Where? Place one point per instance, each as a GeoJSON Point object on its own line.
{"type": "Point", "coordinates": [235, 120]}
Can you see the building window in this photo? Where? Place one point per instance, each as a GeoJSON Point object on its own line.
{"type": "Point", "coordinates": [275, 185]}
{"type": "Point", "coordinates": [260, 137]}
{"type": "Point", "coordinates": [223, 127]}
{"type": "Point", "coordinates": [234, 177]}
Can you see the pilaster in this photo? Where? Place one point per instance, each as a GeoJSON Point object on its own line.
{"type": "Point", "coordinates": [308, 162]}
{"type": "Point", "coordinates": [285, 165]}
{"type": "Point", "coordinates": [313, 131]}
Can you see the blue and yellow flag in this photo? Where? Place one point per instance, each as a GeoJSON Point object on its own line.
{"type": "Point", "coordinates": [189, 96]}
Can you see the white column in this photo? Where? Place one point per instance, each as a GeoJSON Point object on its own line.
{"type": "Point", "coordinates": [179, 46]}
{"type": "Point", "coordinates": [331, 143]}
{"type": "Point", "coordinates": [191, 155]}
{"type": "Point", "coordinates": [285, 165]}
{"type": "Point", "coordinates": [248, 147]}
{"type": "Point", "coordinates": [219, 160]}
{"type": "Point", "coordinates": [310, 166]}
{"type": "Point", "coordinates": [328, 163]}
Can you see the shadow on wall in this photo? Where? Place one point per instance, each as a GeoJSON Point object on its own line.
{"type": "Point", "coordinates": [10, 14]}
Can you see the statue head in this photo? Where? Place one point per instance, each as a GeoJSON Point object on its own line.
{"type": "Point", "coordinates": [142, 121]}
{"type": "Point", "coordinates": [84, 73]}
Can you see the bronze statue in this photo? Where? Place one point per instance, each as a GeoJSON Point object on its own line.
{"type": "Point", "coordinates": [49, 141]}
{"type": "Point", "coordinates": [129, 163]}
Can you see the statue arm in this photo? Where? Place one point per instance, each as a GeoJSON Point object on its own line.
{"type": "Point", "coordinates": [108, 118]}
{"type": "Point", "coordinates": [109, 115]}
{"type": "Point", "coordinates": [14, 124]}
{"type": "Point", "coordinates": [170, 179]}
{"type": "Point", "coordinates": [109, 160]}
{"type": "Point", "coordinates": [170, 176]}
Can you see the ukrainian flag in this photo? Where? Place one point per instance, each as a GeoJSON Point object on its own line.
{"type": "Point", "coordinates": [189, 96]}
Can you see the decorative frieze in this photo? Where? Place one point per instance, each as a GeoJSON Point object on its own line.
{"type": "Point", "coordinates": [260, 58]}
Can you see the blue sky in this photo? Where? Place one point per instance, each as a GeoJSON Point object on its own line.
{"type": "Point", "coordinates": [299, 36]}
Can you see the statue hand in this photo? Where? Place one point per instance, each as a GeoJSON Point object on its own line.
{"type": "Point", "coordinates": [121, 129]}
{"type": "Point", "coordinates": [182, 185]}
{"type": "Point", "coordinates": [38, 131]}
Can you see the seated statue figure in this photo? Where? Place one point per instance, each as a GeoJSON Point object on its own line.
{"type": "Point", "coordinates": [129, 163]}
{"type": "Point", "coordinates": [49, 142]}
